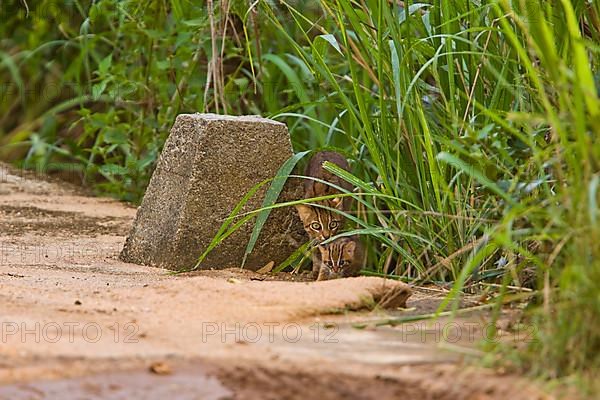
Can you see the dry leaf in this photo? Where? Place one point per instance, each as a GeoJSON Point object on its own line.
{"type": "Point", "coordinates": [161, 368]}
{"type": "Point", "coordinates": [267, 268]}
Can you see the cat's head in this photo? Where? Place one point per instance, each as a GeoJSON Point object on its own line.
{"type": "Point", "coordinates": [321, 223]}
{"type": "Point", "coordinates": [338, 254]}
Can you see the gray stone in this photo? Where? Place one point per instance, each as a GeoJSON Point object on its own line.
{"type": "Point", "coordinates": [209, 162]}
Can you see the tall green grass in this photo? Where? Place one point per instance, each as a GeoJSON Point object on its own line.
{"type": "Point", "coordinates": [474, 129]}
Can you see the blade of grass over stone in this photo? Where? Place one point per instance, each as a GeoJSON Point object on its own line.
{"type": "Point", "coordinates": [223, 231]}
{"type": "Point", "coordinates": [270, 199]}
{"type": "Point", "coordinates": [292, 203]}
{"type": "Point", "coordinates": [222, 236]}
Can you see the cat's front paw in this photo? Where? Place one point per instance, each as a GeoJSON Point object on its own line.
{"type": "Point", "coordinates": [324, 275]}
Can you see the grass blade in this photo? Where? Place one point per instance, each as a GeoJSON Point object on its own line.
{"type": "Point", "coordinates": [270, 199]}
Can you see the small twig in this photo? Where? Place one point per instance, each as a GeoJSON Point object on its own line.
{"type": "Point", "coordinates": [434, 290]}
{"type": "Point", "coordinates": [253, 17]}
{"type": "Point", "coordinates": [26, 7]}
{"type": "Point", "coordinates": [487, 41]}
{"type": "Point", "coordinates": [207, 86]}
{"type": "Point", "coordinates": [446, 261]}
{"type": "Point", "coordinates": [411, 318]}
{"type": "Point", "coordinates": [214, 56]}
{"type": "Point", "coordinates": [496, 285]}
{"type": "Point", "coordinates": [403, 5]}
{"type": "Point", "coordinates": [225, 5]}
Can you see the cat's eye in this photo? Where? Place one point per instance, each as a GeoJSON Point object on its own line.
{"type": "Point", "coordinates": [316, 226]}
{"type": "Point", "coordinates": [333, 224]}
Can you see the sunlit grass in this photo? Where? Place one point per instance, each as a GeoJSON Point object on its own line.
{"type": "Point", "coordinates": [477, 126]}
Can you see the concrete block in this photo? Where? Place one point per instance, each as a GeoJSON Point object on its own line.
{"type": "Point", "coordinates": [209, 162]}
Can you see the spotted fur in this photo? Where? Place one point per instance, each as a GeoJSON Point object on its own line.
{"type": "Point", "coordinates": [340, 258]}
{"type": "Point", "coordinates": [322, 223]}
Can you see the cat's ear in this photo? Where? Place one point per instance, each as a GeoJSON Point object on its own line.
{"type": "Point", "coordinates": [337, 203]}
{"type": "Point", "coordinates": [304, 211]}
{"type": "Point", "coordinates": [350, 247]}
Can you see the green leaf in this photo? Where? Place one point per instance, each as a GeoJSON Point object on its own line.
{"type": "Point", "coordinates": [104, 65]}
{"type": "Point", "coordinates": [7, 60]}
{"type": "Point", "coordinates": [478, 175]}
{"type": "Point", "coordinates": [329, 38]}
{"type": "Point", "coordinates": [163, 65]}
{"type": "Point", "coordinates": [294, 80]}
{"type": "Point", "coordinates": [98, 89]}
{"type": "Point", "coordinates": [198, 22]}
{"type": "Point", "coordinates": [108, 170]}
{"type": "Point", "coordinates": [270, 199]}
{"type": "Point", "coordinates": [115, 136]}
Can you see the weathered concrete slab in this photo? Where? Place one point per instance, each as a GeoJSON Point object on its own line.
{"type": "Point", "coordinates": [209, 162]}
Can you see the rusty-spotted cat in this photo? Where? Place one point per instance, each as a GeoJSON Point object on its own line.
{"type": "Point", "coordinates": [340, 258]}
{"type": "Point", "coordinates": [322, 223]}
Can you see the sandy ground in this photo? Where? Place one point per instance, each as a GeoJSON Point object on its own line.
{"type": "Point", "coordinates": [78, 323]}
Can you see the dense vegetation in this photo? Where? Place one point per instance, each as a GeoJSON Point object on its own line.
{"type": "Point", "coordinates": [473, 125]}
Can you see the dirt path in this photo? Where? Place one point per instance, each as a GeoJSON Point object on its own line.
{"type": "Point", "coordinates": [78, 323]}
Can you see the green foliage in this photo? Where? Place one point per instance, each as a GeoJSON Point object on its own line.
{"type": "Point", "coordinates": [475, 132]}
{"type": "Point", "coordinates": [271, 196]}
{"type": "Point", "coordinates": [97, 85]}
